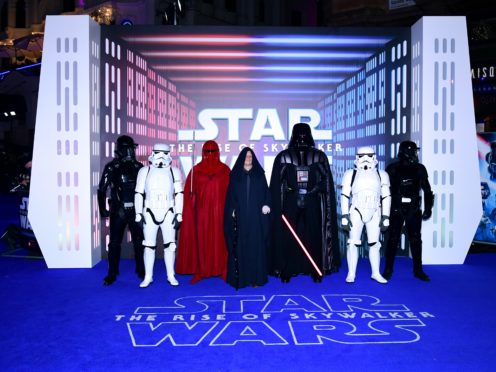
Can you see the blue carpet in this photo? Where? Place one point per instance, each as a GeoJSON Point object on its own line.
{"type": "Point", "coordinates": [65, 319]}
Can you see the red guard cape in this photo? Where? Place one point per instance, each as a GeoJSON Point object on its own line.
{"type": "Point", "coordinates": [202, 248]}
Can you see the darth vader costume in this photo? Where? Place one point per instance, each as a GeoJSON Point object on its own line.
{"type": "Point", "coordinates": [120, 176]}
{"type": "Point", "coordinates": [247, 222]}
{"type": "Point", "coordinates": [302, 189]}
{"type": "Point", "coordinates": [202, 247]}
{"type": "Point", "coordinates": [408, 177]}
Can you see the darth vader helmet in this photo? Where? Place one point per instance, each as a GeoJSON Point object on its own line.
{"type": "Point", "coordinates": [301, 136]}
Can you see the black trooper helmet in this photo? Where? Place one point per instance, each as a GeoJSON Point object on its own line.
{"type": "Point", "coordinates": [408, 151]}
{"type": "Point", "coordinates": [125, 148]}
{"type": "Point", "coordinates": [301, 136]}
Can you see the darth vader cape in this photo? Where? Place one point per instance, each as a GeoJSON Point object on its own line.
{"type": "Point", "coordinates": [246, 228]}
{"type": "Point", "coordinates": [202, 248]}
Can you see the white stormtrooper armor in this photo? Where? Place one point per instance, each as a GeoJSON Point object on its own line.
{"type": "Point", "coordinates": [159, 204]}
{"type": "Point", "coordinates": [368, 189]}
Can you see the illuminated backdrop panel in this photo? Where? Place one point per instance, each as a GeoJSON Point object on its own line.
{"type": "Point", "coordinates": [249, 86]}
{"type": "Point", "coordinates": [66, 158]}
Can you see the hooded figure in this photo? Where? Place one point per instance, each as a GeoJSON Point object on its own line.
{"type": "Point", "coordinates": [247, 222]}
{"type": "Point", "coordinates": [302, 189]}
{"type": "Point", "coordinates": [202, 247]}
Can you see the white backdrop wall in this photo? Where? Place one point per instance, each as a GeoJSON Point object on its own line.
{"type": "Point", "coordinates": [66, 156]}
{"type": "Point", "coordinates": [443, 123]}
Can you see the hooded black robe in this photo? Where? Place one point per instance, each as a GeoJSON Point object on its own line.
{"type": "Point", "coordinates": [247, 234]}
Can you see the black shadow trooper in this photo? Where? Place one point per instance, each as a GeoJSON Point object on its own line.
{"type": "Point", "coordinates": [408, 177]}
{"type": "Point", "coordinates": [302, 190]}
{"type": "Point", "coordinates": [120, 175]}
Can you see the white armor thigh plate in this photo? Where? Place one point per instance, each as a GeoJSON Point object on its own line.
{"type": "Point", "coordinates": [159, 190]}
{"type": "Point", "coordinates": [366, 193]}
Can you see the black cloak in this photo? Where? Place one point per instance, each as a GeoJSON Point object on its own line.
{"type": "Point", "coordinates": [247, 234]}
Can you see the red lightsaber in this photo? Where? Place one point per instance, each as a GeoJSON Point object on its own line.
{"type": "Point", "coordinates": [301, 245]}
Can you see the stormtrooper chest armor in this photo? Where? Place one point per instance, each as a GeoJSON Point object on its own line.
{"type": "Point", "coordinates": [159, 189]}
{"type": "Point", "coordinates": [366, 190]}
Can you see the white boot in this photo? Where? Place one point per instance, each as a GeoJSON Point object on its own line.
{"type": "Point", "coordinates": [375, 261]}
{"type": "Point", "coordinates": [352, 258]}
{"type": "Point", "coordinates": [169, 258]}
{"type": "Point", "coordinates": [149, 258]}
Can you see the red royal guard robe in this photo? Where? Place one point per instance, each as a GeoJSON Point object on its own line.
{"type": "Point", "coordinates": [202, 248]}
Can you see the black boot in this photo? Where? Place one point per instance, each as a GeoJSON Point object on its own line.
{"type": "Point", "coordinates": [421, 275]}
{"type": "Point", "coordinates": [317, 278]}
{"type": "Point", "coordinates": [387, 274]}
{"type": "Point", "coordinates": [140, 273]}
{"type": "Point", "coordinates": [109, 279]}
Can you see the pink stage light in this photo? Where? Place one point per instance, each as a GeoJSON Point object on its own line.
{"type": "Point", "coordinates": [190, 39]}
{"type": "Point", "coordinates": [211, 79]}
{"type": "Point", "coordinates": [198, 54]}
{"type": "Point", "coordinates": [202, 67]}
{"type": "Point", "coordinates": [301, 245]}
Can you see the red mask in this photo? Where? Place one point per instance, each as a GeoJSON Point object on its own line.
{"type": "Point", "coordinates": [210, 153]}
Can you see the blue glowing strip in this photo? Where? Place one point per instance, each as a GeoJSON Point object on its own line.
{"type": "Point", "coordinates": [316, 55]}
{"type": "Point", "coordinates": [325, 40]}
{"type": "Point", "coordinates": [25, 67]}
{"type": "Point", "coordinates": [317, 80]}
{"type": "Point", "coordinates": [308, 68]}
{"type": "Point", "coordinates": [20, 68]}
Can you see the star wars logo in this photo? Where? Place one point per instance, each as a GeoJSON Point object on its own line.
{"type": "Point", "coordinates": [23, 214]}
{"type": "Point", "coordinates": [266, 123]}
{"type": "Point", "coordinates": [276, 320]}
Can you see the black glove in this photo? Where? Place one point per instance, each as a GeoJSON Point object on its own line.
{"type": "Point", "coordinates": [178, 218]}
{"type": "Point", "coordinates": [104, 212]}
{"type": "Point", "coordinates": [427, 214]}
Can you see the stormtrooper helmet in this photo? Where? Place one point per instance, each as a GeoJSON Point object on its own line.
{"type": "Point", "coordinates": [160, 156]}
{"type": "Point", "coordinates": [365, 158]}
